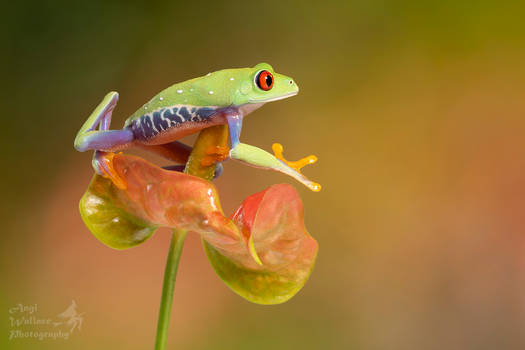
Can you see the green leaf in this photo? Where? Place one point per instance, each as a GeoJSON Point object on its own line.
{"type": "Point", "coordinates": [109, 220]}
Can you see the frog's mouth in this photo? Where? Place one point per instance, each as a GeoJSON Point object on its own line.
{"type": "Point", "coordinates": [271, 99]}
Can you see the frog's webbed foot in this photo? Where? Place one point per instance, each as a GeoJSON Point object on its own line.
{"type": "Point", "coordinates": [297, 165]}
{"type": "Point", "coordinates": [259, 158]}
{"type": "Point", "coordinates": [103, 165]}
{"type": "Point", "coordinates": [214, 155]}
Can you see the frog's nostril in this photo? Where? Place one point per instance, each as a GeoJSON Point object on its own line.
{"type": "Point", "coordinates": [291, 82]}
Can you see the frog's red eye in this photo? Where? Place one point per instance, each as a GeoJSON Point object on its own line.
{"type": "Point", "coordinates": [264, 80]}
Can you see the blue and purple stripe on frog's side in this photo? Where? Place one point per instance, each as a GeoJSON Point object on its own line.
{"type": "Point", "coordinates": [151, 124]}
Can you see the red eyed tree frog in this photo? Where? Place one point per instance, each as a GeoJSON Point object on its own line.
{"type": "Point", "coordinates": [222, 97]}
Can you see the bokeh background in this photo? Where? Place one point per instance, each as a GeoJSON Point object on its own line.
{"type": "Point", "coordinates": [414, 108]}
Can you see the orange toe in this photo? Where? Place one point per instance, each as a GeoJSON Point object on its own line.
{"type": "Point", "coordinates": [112, 173]}
{"type": "Point", "coordinates": [215, 154]}
{"type": "Point", "coordinates": [297, 165]}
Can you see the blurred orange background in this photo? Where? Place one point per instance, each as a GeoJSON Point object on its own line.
{"type": "Point", "coordinates": [414, 108]}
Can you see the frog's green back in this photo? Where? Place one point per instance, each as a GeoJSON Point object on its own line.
{"type": "Point", "coordinates": [227, 87]}
{"type": "Point", "coordinates": [217, 89]}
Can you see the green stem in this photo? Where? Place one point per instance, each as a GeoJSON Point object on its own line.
{"type": "Point", "coordinates": [170, 275]}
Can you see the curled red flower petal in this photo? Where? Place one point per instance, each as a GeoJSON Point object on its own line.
{"type": "Point", "coordinates": [263, 252]}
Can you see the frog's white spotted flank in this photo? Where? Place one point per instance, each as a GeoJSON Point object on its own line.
{"type": "Point", "coordinates": [231, 78]}
{"type": "Point", "coordinates": [211, 92]}
{"type": "Point", "coordinates": [179, 91]}
{"type": "Point", "coordinates": [161, 98]}
{"type": "Point", "coordinates": [161, 119]}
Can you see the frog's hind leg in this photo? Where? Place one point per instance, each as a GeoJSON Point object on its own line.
{"type": "Point", "coordinates": [175, 151]}
{"type": "Point", "coordinates": [104, 141]}
{"type": "Point", "coordinates": [88, 138]}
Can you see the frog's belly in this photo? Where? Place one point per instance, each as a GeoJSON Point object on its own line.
{"type": "Point", "coordinates": [168, 125]}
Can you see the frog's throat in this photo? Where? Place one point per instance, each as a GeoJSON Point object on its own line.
{"type": "Point", "coordinates": [249, 107]}
{"type": "Point", "coordinates": [277, 98]}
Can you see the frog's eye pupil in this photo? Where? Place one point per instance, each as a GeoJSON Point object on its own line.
{"type": "Point", "coordinates": [264, 80]}
{"type": "Point", "coordinates": [269, 80]}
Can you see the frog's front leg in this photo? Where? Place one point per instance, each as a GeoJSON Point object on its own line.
{"type": "Point", "coordinates": [217, 154]}
{"type": "Point", "coordinates": [104, 141]}
{"type": "Point", "coordinates": [259, 158]}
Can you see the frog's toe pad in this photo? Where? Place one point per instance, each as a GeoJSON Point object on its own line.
{"type": "Point", "coordinates": [297, 165]}
{"type": "Point", "coordinates": [103, 164]}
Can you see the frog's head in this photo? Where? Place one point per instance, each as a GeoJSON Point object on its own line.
{"type": "Point", "coordinates": [261, 84]}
